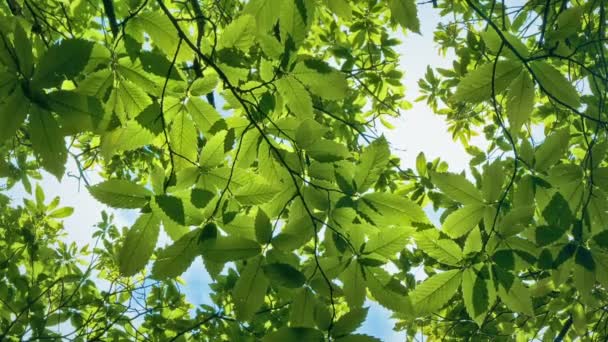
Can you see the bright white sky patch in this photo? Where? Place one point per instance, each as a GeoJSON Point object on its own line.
{"type": "Point", "coordinates": [419, 129]}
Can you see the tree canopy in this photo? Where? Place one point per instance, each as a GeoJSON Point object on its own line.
{"type": "Point", "coordinates": [247, 132]}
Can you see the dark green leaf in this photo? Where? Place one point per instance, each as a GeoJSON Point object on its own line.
{"type": "Point", "coordinates": [62, 61]}
{"type": "Point", "coordinates": [349, 322]}
{"type": "Point", "coordinates": [47, 141]}
{"type": "Point", "coordinates": [284, 275]}
{"type": "Point", "coordinates": [294, 334]}
{"type": "Point", "coordinates": [173, 207]}
{"type": "Point", "coordinates": [263, 227]}
{"type": "Point", "coordinates": [230, 248]}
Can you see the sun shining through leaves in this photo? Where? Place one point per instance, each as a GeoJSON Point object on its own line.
{"type": "Point", "coordinates": [245, 134]}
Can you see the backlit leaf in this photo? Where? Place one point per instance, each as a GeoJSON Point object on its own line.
{"type": "Point", "coordinates": [47, 141]}
{"type": "Point", "coordinates": [476, 86]}
{"type": "Point", "coordinates": [436, 291]}
{"type": "Point", "coordinates": [176, 258]}
{"type": "Point", "coordinates": [405, 13]}
{"type": "Point", "coordinates": [457, 187]}
{"type": "Point", "coordinates": [118, 193]}
{"type": "Point", "coordinates": [139, 244]}
{"type": "Point", "coordinates": [463, 220]}
{"type": "Point", "coordinates": [250, 290]}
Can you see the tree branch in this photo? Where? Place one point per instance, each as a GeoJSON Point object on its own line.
{"type": "Point", "coordinates": [108, 6]}
{"type": "Point", "coordinates": [564, 331]}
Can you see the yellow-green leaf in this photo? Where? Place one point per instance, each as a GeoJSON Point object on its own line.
{"type": "Point", "coordinates": [463, 220]}
{"type": "Point", "coordinates": [436, 291]}
{"type": "Point", "coordinates": [139, 244]}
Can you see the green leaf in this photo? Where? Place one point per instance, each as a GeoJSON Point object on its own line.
{"type": "Point", "coordinates": [602, 239]}
{"type": "Point", "coordinates": [492, 182]}
{"type": "Point", "coordinates": [476, 86]}
{"type": "Point", "coordinates": [296, 97]}
{"type": "Point", "coordinates": [203, 114]}
{"type": "Point", "coordinates": [478, 294]}
{"type": "Point", "coordinates": [514, 293]}
{"type": "Point", "coordinates": [240, 33]}
{"type": "Point", "coordinates": [519, 216]}
{"type": "Point", "coordinates": [298, 230]}
{"type": "Point", "coordinates": [569, 21]}
{"type": "Point", "coordinates": [294, 20]}
{"type": "Point", "coordinates": [421, 164]}
{"type": "Point", "coordinates": [463, 220]}
{"type": "Point", "coordinates": [388, 242]}
{"type": "Point", "coordinates": [325, 151]}
{"type": "Point", "coordinates": [13, 111]}
{"type": "Point", "coordinates": [436, 291]}
{"type": "Point", "coordinates": [303, 309]}
{"type": "Point", "coordinates": [96, 83]}
{"type": "Point", "coordinates": [473, 243]}
{"type": "Point", "coordinates": [354, 285]}
{"type": "Point", "coordinates": [134, 133]}
{"type": "Point", "coordinates": [248, 148]}
{"type": "Point", "coordinates": [139, 244]}
{"type": "Point", "coordinates": [374, 159]}
{"type": "Point", "coordinates": [308, 132]}
{"type": "Point", "coordinates": [584, 258]}
{"type": "Point", "coordinates": [443, 250]}
{"type": "Point", "coordinates": [47, 141]}
{"type": "Point", "coordinates": [294, 334]}
{"type": "Point", "coordinates": [520, 101]}
{"type": "Point", "coordinates": [341, 8]}
{"type": "Point", "coordinates": [62, 61]}
{"type": "Point", "coordinates": [265, 12]}
{"type": "Point", "coordinates": [584, 283]}
{"type": "Point", "coordinates": [176, 258]}
{"type": "Point", "coordinates": [349, 322]}
{"type": "Point", "coordinates": [256, 192]}
{"type": "Point", "coordinates": [494, 41]}
{"type": "Point", "coordinates": [601, 262]}
{"type": "Point", "coordinates": [183, 138]}
{"type": "Point", "coordinates": [200, 198]}
{"type": "Point", "coordinates": [392, 209]}
{"type": "Point", "coordinates": [171, 206]}
{"type": "Point", "coordinates": [552, 150]}
{"type": "Point", "coordinates": [250, 290]}
{"type": "Point", "coordinates": [204, 85]}
{"type": "Point", "coordinates": [136, 75]}
{"type": "Point", "coordinates": [212, 153]}
{"type": "Point", "coordinates": [128, 101]}
{"type": "Point", "coordinates": [457, 187]}
{"type": "Point", "coordinates": [564, 254]}
{"type": "Point", "coordinates": [321, 79]}
{"type": "Point", "coordinates": [158, 27]}
{"type": "Point", "coordinates": [23, 51]}
{"type": "Point", "coordinates": [77, 112]}
{"type": "Point", "coordinates": [553, 82]}
{"type": "Point", "coordinates": [230, 248]}
{"type": "Point", "coordinates": [61, 213]}
{"type": "Point", "coordinates": [119, 193]}
{"type": "Point", "coordinates": [263, 227]}
{"type": "Point", "coordinates": [405, 13]}
{"type": "Point", "coordinates": [557, 212]}
{"type": "Point", "coordinates": [284, 275]}
{"type": "Point", "coordinates": [378, 281]}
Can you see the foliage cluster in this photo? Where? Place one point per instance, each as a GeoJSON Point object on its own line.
{"type": "Point", "coordinates": [246, 131]}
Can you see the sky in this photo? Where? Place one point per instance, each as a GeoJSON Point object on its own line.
{"type": "Point", "coordinates": [417, 130]}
